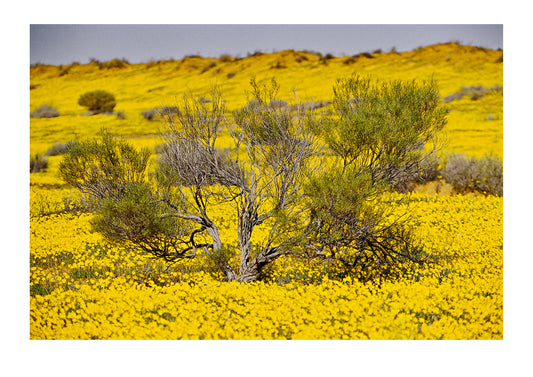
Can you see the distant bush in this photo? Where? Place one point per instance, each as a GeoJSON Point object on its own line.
{"type": "Point", "coordinates": [115, 63]}
{"type": "Point", "coordinates": [44, 111]}
{"type": "Point", "coordinates": [278, 65]}
{"type": "Point", "coordinates": [350, 60]}
{"type": "Point", "coordinates": [98, 101]}
{"type": "Point", "coordinates": [60, 148]}
{"type": "Point", "coordinates": [484, 174]}
{"type": "Point", "coordinates": [38, 164]}
{"type": "Point", "coordinates": [225, 58]}
{"type": "Point", "coordinates": [231, 74]}
{"type": "Point", "coordinates": [475, 92]}
{"type": "Point", "coordinates": [57, 149]}
{"type": "Point", "coordinates": [64, 70]}
{"type": "Point", "coordinates": [153, 113]}
{"type": "Point", "coordinates": [210, 65]}
{"type": "Point", "coordinates": [149, 114]}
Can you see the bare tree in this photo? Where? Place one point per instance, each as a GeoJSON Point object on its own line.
{"type": "Point", "coordinates": [261, 175]}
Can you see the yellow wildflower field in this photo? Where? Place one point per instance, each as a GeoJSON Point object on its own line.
{"type": "Point", "coordinates": [82, 287]}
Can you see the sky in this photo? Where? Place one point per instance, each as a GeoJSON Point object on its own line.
{"type": "Point", "coordinates": [66, 43]}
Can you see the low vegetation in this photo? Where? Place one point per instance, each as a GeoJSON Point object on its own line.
{"type": "Point", "coordinates": [98, 101]}
{"type": "Point", "coordinates": [44, 111]}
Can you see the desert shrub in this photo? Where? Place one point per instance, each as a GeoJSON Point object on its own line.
{"type": "Point", "coordinates": [149, 114]}
{"type": "Point", "coordinates": [224, 58]}
{"type": "Point", "coordinates": [56, 149]}
{"type": "Point", "coordinates": [231, 74]}
{"type": "Point", "coordinates": [277, 103]}
{"type": "Point", "coordinates": [38, 164]}
{"type": "Point", "coordinates": [278, 65]}
{"type": "Point", "coordinates": [64, 70]}
{"type": "Point", "coordinates": [475, 92]}
{"type": "Point", "coordinates": [98, 101]}
{"type": "Point", "coordinates": [156, 112]}
{"type": "Point", "coordinates": [465, 174]}
{"type": "Point", "coordinates": [115, 63]}
{"type": "Point", "coordinates": [44, 111]}
{"type": "Point", "coordinates": [365, 54]}
{"type": "Point", "coordinates": [210, 65]}
{"type": "Point", "coordinates": [310, 105]}
{"type": "Point", "coordinates": [427, 170]}
{"type": "Point", "coordinates": [350, 60]}
{"type": "Point", "coordinates": [488, 174]}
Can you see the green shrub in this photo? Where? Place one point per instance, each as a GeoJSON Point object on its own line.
{"type": "Point", "coordinates": [44, 111]}
{"type": "Point", "coordinates": [98, 101]}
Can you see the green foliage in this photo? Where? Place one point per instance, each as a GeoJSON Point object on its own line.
{"type": "Point", "coordinates": [377, 133]}
{"type": "Point", "coordinates": [98, 101]}
{"type": "Point", "coordinates": [382, 127]}
{"type": "Point", "coordinates": [264, 120]}
{"type": "Point", "coordinates": [103, 167]}
{"type": "Point", "coordinates": [136, 215]}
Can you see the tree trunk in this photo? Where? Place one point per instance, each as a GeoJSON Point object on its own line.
{"type": "Point", "coordinates": [250, 273]}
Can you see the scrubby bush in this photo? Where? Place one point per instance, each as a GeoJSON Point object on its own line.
{"type": "Point", "coordinates": [56, 149]}
{"type": "Point", "coordinates": [38, 164]}
{"type": "Point", "coordinates": [149, 114]}
{"type": "Point", "coordinates": [426, 170]}
{"type": "Point", "coordinates": [44, 111]}
{"type": "Point", "coordinates": [115, 63]}
{"type": "Point", "coordinates": [225, 58]}
{"type": "Point", "coordinates": [475, 92]}
{"type": "Point", "coordinates": [210, 65]}
{"type": "Point", "coordinates": [470, 174]}
{"type": "Point", "coordinates": [98, 101]}
{"type": "Point", "coordinates": [60, 148]}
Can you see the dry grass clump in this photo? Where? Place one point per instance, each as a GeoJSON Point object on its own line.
{"type": "Point", "coordinates": [483, 174]}
{"type": "Point", "coordinates": [475, 92]}
{"type": "Point", "coordinates": [44, 111]}
{"type": "Point", "coordinates": [38, 163]}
